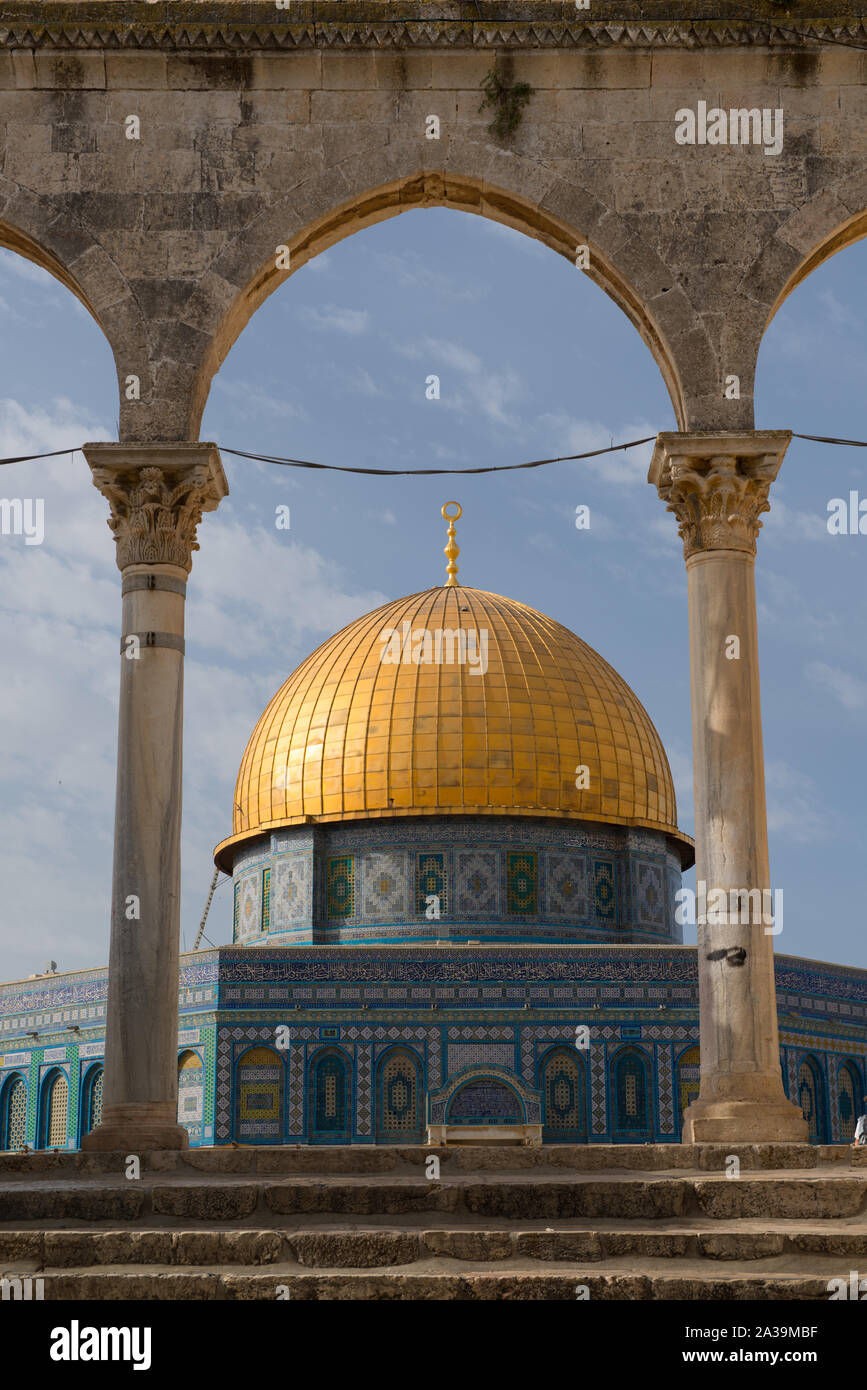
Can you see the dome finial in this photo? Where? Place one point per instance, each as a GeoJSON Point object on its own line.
{"type": "Point", "coordinates": [452, 550]}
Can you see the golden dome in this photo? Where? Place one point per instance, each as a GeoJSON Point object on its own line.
{"type": "Point", "coordinates": [362, 731]}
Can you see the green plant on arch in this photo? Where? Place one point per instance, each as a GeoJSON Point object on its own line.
{"type": "Point", "coordinates": [508, 99]}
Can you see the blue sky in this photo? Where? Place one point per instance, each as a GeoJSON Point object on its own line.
{"type": "Point", "coordinates": [533, 360]}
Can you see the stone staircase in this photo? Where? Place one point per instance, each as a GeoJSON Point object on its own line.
{"type": "Point", "coordinates": [560, 1222]}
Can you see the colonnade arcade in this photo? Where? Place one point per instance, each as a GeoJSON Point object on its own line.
{"type": "Point", "coordinates": [257, 136]}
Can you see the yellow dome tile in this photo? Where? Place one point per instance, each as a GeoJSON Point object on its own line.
{"type": "Point", "coordinates": [350, 735]}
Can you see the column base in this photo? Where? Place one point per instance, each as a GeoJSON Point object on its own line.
{"type": "Point", "coordinates": [743, 1122]}
{"type": "Point", "coordinates": [136, 1129]}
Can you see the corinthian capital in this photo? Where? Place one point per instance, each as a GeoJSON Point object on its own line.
{"type": "Point", "coordinates": [717, 485]}
{"type": "Point", "coordinates": [157, 494]}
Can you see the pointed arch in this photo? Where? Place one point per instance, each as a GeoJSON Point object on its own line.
{"type": "Point", "coordinates": [562, 1080]}
{"type": "Point", "coordinates": [632, 1095]}
{"type": "Point", "coordinates": [399, 1096]}
{"type": "Point", "coordinates": [91, 1098]}
{"type": "Point", "coordinates": [564, 218]}
{"type": "Point", "coordinates": [260, 1078]}
{"type": "Point", "coordinates": [67, 248]}
{"type": "Point", "coordinates": [13, 1111]}
{"type": "Point", "coordinates": [812, 1096]}
{"type": "Point", "coordinates": [329, 1097]}
{"type": "Point", "coordinates": [53, 1113]}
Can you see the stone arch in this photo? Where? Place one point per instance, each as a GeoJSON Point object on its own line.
{"type": "Point", "coordinates": [563, 1086]}
{"type": "Point", "coordinates": [13, 1111]}
{"type": "Point", "coordinates": [399, 1096]}
{"type": "Point", "coordinates": [44, 232]}
{"type": "Point", "coordinates": [531, 199]}
{"type": "Point", "coordinates": [830, 221]}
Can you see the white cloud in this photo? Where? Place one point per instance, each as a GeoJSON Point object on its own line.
{"type": "Point", "coordinates": [572, 436]}
{"type": "Point", "coordinates": [350, 321]}
{"type": "Point", "coordinates": [258, 602]}
{"type": "Point", "coordinates": [470, 387]}
{"type": "Point", "coordinates": [848, 689]}
{"type": "Point", "coordinates": [794, 804]}
{"type": "Point", "coordinates": [252, 398]}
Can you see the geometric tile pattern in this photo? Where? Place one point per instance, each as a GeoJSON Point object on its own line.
{"type": "Point", "coordinates": [598, 1108]}
{"type": "Point", "coordinates": [340, 888]}
{"type": "Point", "coordinates": [292, 889]}
{"type": "Point", "coordinates": [430, 881]}
{"type": "Point", "coordinates": [362, 1080]}
{"type": "Point", "coordinates": [664, 1088]}
{"type": "Point", "coordinates": [522, 882]}
{"type": "Point", "coordinates": [604, 890]}
{"type": "Point", "coordinates": [383, 886]}
{"type": "Point", "coordinates": [477, 883]}
{"type": "Point", "coordinates": [462, 1055]}
{"type": "Point", "coordinates": [650, 907]}
{"type": "Point", "coordinates": [566, 886]}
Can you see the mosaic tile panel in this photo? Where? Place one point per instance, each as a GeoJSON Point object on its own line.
{"type": "Point", "coordinates": [340, 888]}
{"type": "Point", "coordinates": [462, 1055]}
{"type": "Point", "coordinates": [383, 886]}
{"type": "Point", "coordinates": [665, 1090]}
{"type": "Point", "coordinates": [522, 882]}
{"type": "Point", "coordinates": [430, 881]}
{"type": "Point", "coordinates": [478, 883]}
{"type": "Point", "coordinates": [566, 886]}
{"type": "Point", "coordinates": [604, 890]}
{"type": "Point", "coordinates": [650, 896]}
{"type": "Point", "coordinates": [363, 1100]}
{"type": "Point", "coordinates": [292, 901]}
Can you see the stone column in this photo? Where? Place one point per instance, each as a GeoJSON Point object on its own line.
{"type": "Point", "coordinates": [717, 486]}
{"type": "Point", "coordinates": [157, 494]}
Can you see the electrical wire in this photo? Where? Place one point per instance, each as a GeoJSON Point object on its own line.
{"type": "Point", "coordinates": [438, 472]}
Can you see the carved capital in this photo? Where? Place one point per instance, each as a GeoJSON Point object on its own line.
{"type": "Point", "coordinates": [717, 485]}
{"type": "Point", "coordinates": [157, 494]}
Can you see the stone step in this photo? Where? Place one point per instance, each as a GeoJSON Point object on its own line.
{"type": "Point", "coordinates": [532, 1196]}
{"type": "Point", "coordinates": [512, 1281]}
{"type": "Point", "coordinates": [360, 1159]}
{"type": "Point", "coordinates": [338, 1248]}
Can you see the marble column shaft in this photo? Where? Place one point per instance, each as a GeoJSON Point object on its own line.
{"type": "Point", "coordinates": [717, 485]}
{"type": "Point", "coordinates": [157, 494]}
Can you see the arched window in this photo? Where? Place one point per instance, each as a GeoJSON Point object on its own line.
{"type": "Point", "coordinates": [191, 1093]}
{"type": "Point", "coordinates": [259, 1097]}
{"type": "Point", "coordinates": [811, 1098]}
{"type": "Point", "coordinates": [485, 1100]}
{"type": "Point", "coordinates": [54, 1111]}
{"type": "Point", "coordinates": [91, 1105]}
{"type": "Point", "coordinates": [564, 1091]}
{"type": "Point", "coordinates": [688, 1079]}
{"type": "Point", "coordinates": [329, 1117]}
{"type": "Point", "coordinates": [398, 1098]}
{"type": "Point", "coordinates": [848, 1101]}
{"type": "Point", "coordinates": [631, 1087]}
{"type": "Point", "coordinates": [13, 1113]}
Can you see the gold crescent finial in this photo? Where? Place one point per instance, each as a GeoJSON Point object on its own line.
{"type": "Point", "coordinates": [452, 550]}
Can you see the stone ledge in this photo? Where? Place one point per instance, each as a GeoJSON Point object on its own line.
{"type": "Point", "coordinates": [206, 25]}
